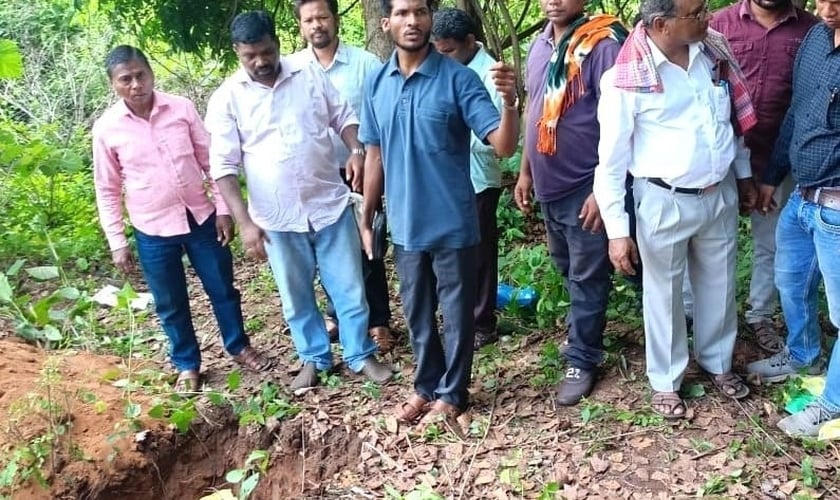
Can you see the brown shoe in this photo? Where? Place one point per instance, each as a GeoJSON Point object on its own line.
{"type": "Point", "coordinates": [377, 371]}
{"type": "Point", "coordinates": [383, 338]}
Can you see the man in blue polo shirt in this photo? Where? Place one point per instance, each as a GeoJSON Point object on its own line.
{"type": "Point", "coordinates": [417, 115]}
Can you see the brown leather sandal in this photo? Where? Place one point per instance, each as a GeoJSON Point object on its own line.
{"type": "Point", "coordinates": [252, 359]}
{"type": "Point", "coordinates": [671, 405]}
{"type": "Point", "coordinates": [411, 411]}
{"type": "Point", "coordinates": [187, 382]}
{"type": "Point", "coordinates": [730, 385]}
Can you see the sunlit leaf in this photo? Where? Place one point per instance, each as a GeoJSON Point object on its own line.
{"type": "Point", "coordinates": [11, 60]}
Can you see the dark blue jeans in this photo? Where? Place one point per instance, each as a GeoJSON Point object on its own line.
{"type": "Point", "coordinates": [160, 259]}
{"type": "Point", "coordinates": [446, 277]}
{"type": "Point", "coordinates": [583, 260]}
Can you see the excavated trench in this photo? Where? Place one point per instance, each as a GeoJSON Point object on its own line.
{"type": "Point", "coordinates": [194, 465]}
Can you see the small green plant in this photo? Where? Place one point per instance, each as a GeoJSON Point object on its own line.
{"type": "Point", "coordinates": [701, 445]}
{"type": "Point", "coordinates": [810, 478]}
{"type": "Point", "coordinates": [371, 390]}
{"type": "Point", "coordinates": [421, 492]}
{"type": "Point", "coordinates": [50, 320]}
{"type": "Point", "coordinates": [248, 477]}
{"type": "Point", "coordinates": [329, 380]}
{"type": "Point", "coordinates": [550, 364]}
{"type": "Point", "coordinates": [267, 403]}
{"type": "Point", "coordinates": [549, 491]}
{"type": "Point", "coordinates": [592, 411]}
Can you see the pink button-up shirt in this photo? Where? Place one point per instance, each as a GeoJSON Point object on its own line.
{"type": "Point", "coordinates": [160, 166]}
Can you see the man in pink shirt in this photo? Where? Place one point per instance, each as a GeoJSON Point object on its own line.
{"type": "Point", "coordinates": [150, 150]}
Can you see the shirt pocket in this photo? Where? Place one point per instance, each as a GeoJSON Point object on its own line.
{"type": "Point", "coordinates": [740, 48]}
{"type": "Point", "coordinates": [432, 129]}
{"type": "Point", "coordinates": [721, 102]}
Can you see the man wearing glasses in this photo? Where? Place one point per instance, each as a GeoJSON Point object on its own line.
{"type": "Point", "coordinates": [672, 113]}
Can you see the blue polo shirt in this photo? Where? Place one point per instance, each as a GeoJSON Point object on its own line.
{"type": "Point", "coordinates": [422, 125]}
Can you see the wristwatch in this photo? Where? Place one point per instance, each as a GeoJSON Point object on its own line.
{"type": "Point", "coordinates": [358, 151]}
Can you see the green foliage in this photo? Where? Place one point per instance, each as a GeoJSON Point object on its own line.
{"type": "Point", "coordinates": [50, 319]}
{"type": "Point", "coordinates": [248, 477]}
{"type": "Point", "coordinates": [531, 265]}
{"type": "Point", "coordinates": [266, 404]}
{"type": "Point", "coordinates": [11, 61]}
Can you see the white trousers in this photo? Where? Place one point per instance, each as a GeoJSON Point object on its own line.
{"type": "Point", "coordinates": [695, 233]}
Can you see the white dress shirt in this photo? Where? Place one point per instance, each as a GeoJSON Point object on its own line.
{"type": "Point", "coordinates": [683, 135]}
{"type": "Point", "coordinates": [280, 136]}
{"type": "Point", "coordinates": [347, 73]}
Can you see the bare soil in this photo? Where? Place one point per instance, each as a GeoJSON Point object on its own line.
{"type": "Point", "coordinates": [345, 444]}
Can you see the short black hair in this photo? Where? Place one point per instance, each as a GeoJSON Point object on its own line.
{"type": "Point", "coordinates": [122, 54]}
{"type": "Point", "coordinates": [331, 4]}
{"type": "Point", "coordinates": [453, 24]}
{"type": "Point", "coordinates": [251, 27]}
{"type": "Point", "coordinates": [385, 6]}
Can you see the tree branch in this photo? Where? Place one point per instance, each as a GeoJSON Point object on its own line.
{"type": "Point", "coordinates": [345, 11]}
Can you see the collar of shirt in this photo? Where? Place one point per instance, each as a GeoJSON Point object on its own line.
{"type": "Point", "coordinates": [429, 66]}
{"type": "Point", "coordinates": [287, 66]}
{"type": "Point", "coordinates": [746, 11]}
{"type": "Point", "coordinates": [159, 103]}
{"type": "Point", "coordinates": [659, 58]}
{"type": "Point", "coordinates": [341, 56]}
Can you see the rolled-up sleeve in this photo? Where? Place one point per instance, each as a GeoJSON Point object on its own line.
{"type": "Point", "coordinates": [107, 181]}
{"type": "Point", "coordinates": [615, 149]}
{"type": "Point", "coordinates": [369, 128]}
{"type": "Point", "coordinates": [225, 151]}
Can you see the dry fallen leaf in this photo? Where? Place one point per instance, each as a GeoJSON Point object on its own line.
{"type": "Point", "coordinates": [788, 487]}
{"type": "Point", "coordinates": [599, 465]}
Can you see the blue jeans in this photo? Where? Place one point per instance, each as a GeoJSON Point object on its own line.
{"type": "Point", "coordinates": [583, 260]}
{"type": "Point", "coordinates": [334, 252]}
{"type": "Point", "coordinates": [444, 277]}
{"type": "Point", "coordinates": [807, 250]}
{"type": "Point", "coordinates": [160, 259]}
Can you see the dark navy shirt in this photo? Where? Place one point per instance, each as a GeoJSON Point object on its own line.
{"type": "Point", "coordinates": [422, 125]}
{"type": "Point", "coordinates": [809, 142]}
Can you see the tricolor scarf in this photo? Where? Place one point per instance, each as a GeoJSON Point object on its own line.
{"type": "Point", "coordinates": [564, 83]}
{"type": "Point", "coordinates": [635, 71]}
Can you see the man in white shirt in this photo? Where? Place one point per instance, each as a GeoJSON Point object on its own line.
{"type": "Point", "coordinates": [271, 118]}
{"type": "Point", "coordinates": [346, 67]}
{"type": "Point", "coordinates": [454, 33]}
{"type": "Point", "coordinates": [666, 115]}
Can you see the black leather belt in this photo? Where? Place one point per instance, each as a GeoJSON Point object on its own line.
{"type": "Point", "coordinates": [657, 181]}
{"type": "Point", "coordinates": [826, 197]}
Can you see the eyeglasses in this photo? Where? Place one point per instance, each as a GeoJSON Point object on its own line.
{"type": "Point", "coordinates": [705, 12]}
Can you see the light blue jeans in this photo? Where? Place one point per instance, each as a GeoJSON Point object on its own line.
{"type": "Point", "coordinates": [808, 249]}
{"type": "Point", "coordinates": [334, 252]}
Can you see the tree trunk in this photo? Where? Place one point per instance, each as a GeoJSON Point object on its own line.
{"type": "Point", "coordinates": [377, 41]}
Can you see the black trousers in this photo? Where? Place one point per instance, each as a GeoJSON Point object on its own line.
{"type": "Point", "coordinates": [444, 277]}
{"type": "Point", "coordinates": [487, 261]}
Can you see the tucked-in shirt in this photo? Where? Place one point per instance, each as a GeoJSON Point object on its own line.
{"type": "Point", "coordinates": [160, 166]}
{"type": "Point", "coordinates": [279, 135]}
{"type": "Point", "coordinates": [766, 57]}
{"type": "Point", "coordinates": [809, 143]}
{"type": "Point", "coordinates": [422, 125]}
{"type": "Point", "coordinates": [347, 74]}
{"type": "Point", "coordinates": [683, 135]}
{"type": "Point", "coordinates": [484, 165]}
{"type": "Point", "coordinates": [577, 131]}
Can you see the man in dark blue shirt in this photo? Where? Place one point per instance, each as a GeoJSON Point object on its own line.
{"type": "Point", "coordinates": [417, 115]}
{"type": "Point", "coordinates": [808, 232]}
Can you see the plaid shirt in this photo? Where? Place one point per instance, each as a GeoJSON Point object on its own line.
{"type": "Point", "coordinates": [809, 142]}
